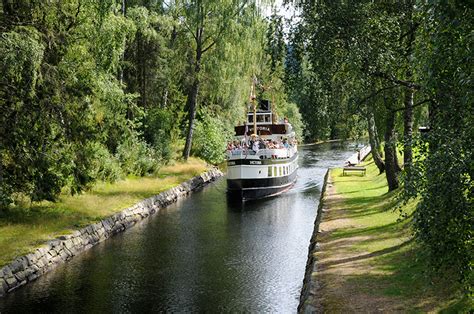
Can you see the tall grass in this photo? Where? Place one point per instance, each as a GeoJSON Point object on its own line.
{"type": "Point", "coordinates": [22, 228]}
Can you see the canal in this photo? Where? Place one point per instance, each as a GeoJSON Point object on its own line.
{"type": "Point", "coordinates": [203, 254]}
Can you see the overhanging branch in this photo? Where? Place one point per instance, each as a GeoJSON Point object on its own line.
{"type": "Point", "coordinates": [415, 105]}
{"type": "Point", "coordinates": [375, 94]}
{"type": "Point", "coordinates": [222, 28]}
{"type": "Point", "coordinates": [395, 80]}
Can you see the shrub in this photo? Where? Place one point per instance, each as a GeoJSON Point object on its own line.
{"type": "Point", "coordinates": [106, 166]}
{"type": "Point", "coordinates": [158, 126]}
{"type": "Point", "coordinates": [209, 141]}
{"type": "Point", "coordinates": [136, 157]}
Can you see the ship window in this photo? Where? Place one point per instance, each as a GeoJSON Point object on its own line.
{"type": "Point", "coordinates": [281, 171]}
{"type": "Point", "coordinates": [275, 171]}
{"type": "Point", "coordinates": [260, 118]}
{"type": "Point", "coordinates": [270, 171]}
{"type": "Point", "coordinates": [287, 170]}
{"type": "Point", "coordinates": [250, 118]}
{"type": "Point", "coordinates": [267, 118]}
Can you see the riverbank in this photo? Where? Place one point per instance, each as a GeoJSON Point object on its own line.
{"type": "Point", "coordinates": [365, 259]}
{"type": "Point", "coordinates": [61, 249]}
{"type": "Point", "coordinates": [23, 228]}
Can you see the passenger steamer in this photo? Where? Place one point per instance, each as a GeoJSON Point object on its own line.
{"type": "Point", "coordinates": [255, 172]}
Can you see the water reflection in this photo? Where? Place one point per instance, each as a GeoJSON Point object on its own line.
{"type": "Point", "coordinates": [202, 254]}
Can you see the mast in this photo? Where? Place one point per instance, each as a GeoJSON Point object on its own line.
{"type": "Point", "coordinates": [273, 108]}
{"type": "Point", "coordinates": [252, 98]}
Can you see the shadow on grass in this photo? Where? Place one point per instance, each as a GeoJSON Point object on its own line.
{"type": "Point", "coordinates": [135, 194]}
{"type": "Point", "coordinates": [365, 256]}
{"type": "Point", "coordinates": [402, 274]}
{"type": "Point", "coordinates": [358, 207]}
{"type": "Point", "coordinates": [20, 215]}
{"type": "Point", "coordinates": [387, 228]}
{"type": "Point", "coordinates": [371, 189]}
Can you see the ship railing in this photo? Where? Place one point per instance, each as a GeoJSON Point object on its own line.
{"type": "Point", "coordinates": [266, 153]}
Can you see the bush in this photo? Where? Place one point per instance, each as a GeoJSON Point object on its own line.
{"type": "Point", "coordinates": [209, 140]}
{"type": "Point", "coordinates": [106, 166]}
{"type": "Point", "coordinates": [136, 157]}
{"type": "Point", "coordinates": [293, 114]}
{"type": "Point", "coordinates": [158, 128]}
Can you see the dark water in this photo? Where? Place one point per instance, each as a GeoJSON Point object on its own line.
{"type": "Point", "coordinates": [202, 254]}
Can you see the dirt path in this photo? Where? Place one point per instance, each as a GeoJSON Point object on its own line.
{"type": "Point", "coordinates": [364, 259]}
{"type": "Point", "coordinates": [338, 262]}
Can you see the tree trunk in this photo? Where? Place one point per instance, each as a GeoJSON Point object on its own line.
{"type": "Point", "coordinates": [390, 152]}
{"type": "Point", "coordinates": [408, 129]}
{"type": "Point", "coordinates": [192, 101]}
{"type": "Point", "coordinates": [398, 169]}
{"type": "Point", "coordinates": [409, 93]}
{"type": "Point", "coordinates": [374, 142]}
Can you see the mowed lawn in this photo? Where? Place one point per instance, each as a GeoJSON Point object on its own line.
{"type": "Point", "coordinates": [368, 260]}
{"type": "Point", "coordinates": [24, 228]}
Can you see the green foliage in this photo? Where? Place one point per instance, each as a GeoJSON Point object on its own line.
{"type": "Point", "coordinates": [210, 139]}
{"type": "Point", "coordinates": [444, 168]}
{"type": "Point", "coordinates": [61, 99]}
{"type": "Point", "coordinates": [96, 91]}
{"type": "Point", "coordinates": [106, 167]}
{"type": "Point", "coordinates": [291, 111]}
{"type": "Point", "coordinates": [22, 53]}
{"type": "Point", "coordinates": [159, 129]}
{"type": "Point", "coordinates": [317, 75]}
{"type": "Point", "coordinates": [136, 157]}
{"type": "Point", "coordinates": [364, 57]}
{"type": "Point", "coordinates": [276, 47]}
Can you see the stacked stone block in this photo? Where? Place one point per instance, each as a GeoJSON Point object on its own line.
{"type": "Point", "coordinates": [31, 266]}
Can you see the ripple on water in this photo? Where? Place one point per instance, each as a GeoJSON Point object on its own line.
{"type": "Point", "coordinates": [204, 254]}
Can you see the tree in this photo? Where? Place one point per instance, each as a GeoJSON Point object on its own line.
{"type": "Point", "coordinates": [63, 109]}
{"type": "Point", "coordinates": [444, 216]}
{"type": "Point", "coordinates": [355, 47]}
{"type": "Point", "coordinates": [207, 22]}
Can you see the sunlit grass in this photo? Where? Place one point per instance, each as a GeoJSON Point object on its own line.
{"type": "Point", "coordinates": [23, 228]}
{"type": "Point", "coordinates": [388, 264]}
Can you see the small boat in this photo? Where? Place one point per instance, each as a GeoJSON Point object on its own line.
{"type": "Point", "coordinates": [263, 160]}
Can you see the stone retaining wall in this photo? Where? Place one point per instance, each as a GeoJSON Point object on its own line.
{"type": "Point", "coordinates": [308, 297]}
{"type": "Point", "coordinates": [29, 267]}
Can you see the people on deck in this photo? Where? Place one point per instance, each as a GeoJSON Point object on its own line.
{"type": "Point", "coordinates": [256, 144]}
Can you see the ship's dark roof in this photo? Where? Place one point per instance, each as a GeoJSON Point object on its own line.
{"type": "Point", "coordinates": [262, 129]}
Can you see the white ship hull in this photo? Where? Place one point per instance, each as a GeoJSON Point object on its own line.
{"type": "Point", "coordinates": [252, 177]}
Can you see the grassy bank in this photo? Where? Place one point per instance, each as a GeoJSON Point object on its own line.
{"type": "Point", "coordinates": [368, 260]}
{"type": "Point", "coordinates": [24, 227]}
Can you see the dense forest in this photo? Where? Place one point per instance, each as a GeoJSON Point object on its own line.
{"type": "Point", "coordinates": [97, 90]}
